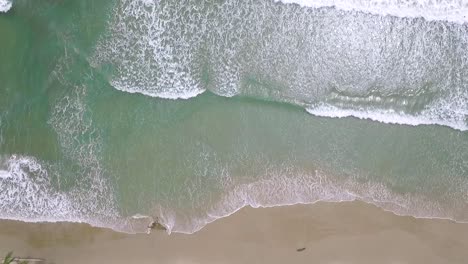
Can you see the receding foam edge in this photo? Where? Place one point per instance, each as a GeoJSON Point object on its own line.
{"type": "Point", "coordinates": [448, 10]}
{"type": "Point", "coordinates": [311, 192]}
{"type": "Point", "coordinates": [5, 5]}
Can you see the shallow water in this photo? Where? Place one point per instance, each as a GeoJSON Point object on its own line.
{"type": "Point", "coordinates": [94, 126]}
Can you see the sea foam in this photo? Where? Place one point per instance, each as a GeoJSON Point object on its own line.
{"type": "Point", "coordinates": [30, 197]}
{"type": "Point", "coordinates": [326, 52]}
{"type": "Point", "coordinates": [28, 194]}
{"type": "Point", "coordinates": [283, 190]}
{"type": "Point", "coordinates": [388, 116]}
{"type": "Point", "coordinates": [5, 5]}
{"type": "Point", "coordinates": [448, 10]}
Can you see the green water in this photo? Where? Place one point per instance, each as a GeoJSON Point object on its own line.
{"type": "Point", "coordinates": [75, 145]}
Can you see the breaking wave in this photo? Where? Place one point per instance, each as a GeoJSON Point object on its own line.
{"type": "Point", "coordinates": [387, 116]}
{"type": "Point", "coordinates": [352, 62]}
{"type": "Point", "coordinates": [447, 10]}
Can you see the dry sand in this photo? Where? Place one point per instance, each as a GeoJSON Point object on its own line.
{"type": "Point", "coordinates": [350, 232]}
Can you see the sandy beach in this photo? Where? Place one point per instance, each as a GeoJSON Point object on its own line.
{"type": "Point", "coordinates": [350, 232]}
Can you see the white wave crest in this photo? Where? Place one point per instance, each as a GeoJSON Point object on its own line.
{"type": "Point", "coordinates": [161, 56]}
{"type": "Point", "coordinates": [5, 5]}
{"type": "Point", "coordinates": [448, 10]}
{"type": "Point", "coordinates": [388, 116]}
{"type": "Point", "coordinates": [170, 94]}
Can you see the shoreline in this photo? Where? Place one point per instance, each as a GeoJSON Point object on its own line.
{"type": "Point", "coordinates": [160, 225]}
{"type": "Point", "coordinates": [347, 232]}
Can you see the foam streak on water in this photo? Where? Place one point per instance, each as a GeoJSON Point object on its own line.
{"type": "Point", "coordinates": [448, 10]}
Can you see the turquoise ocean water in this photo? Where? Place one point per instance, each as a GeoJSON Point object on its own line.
{"type": "Point", "coordinates": [115, 111]}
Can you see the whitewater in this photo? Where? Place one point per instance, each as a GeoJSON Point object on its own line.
{"type": "Point", "coordinates": [387, 69]}
{"type": "Point", "coordinates": [31, 197]}
{"type": "Point", "coordinates": [446, 10]}
{"type": "Point", "coordinates": [5, 5]}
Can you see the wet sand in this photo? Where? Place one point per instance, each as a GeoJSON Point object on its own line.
{"type": "Point", "coordinates": [350, 232]}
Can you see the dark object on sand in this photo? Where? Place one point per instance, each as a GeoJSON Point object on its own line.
{"type": "Point", "coordinates": [156, 225]}
{"type": "Point", "coordinates": [160, 226]}
{"type": "Point", "coordinates": [152, 225]}
{"type": "Point", "coordinates": [300, 249]}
